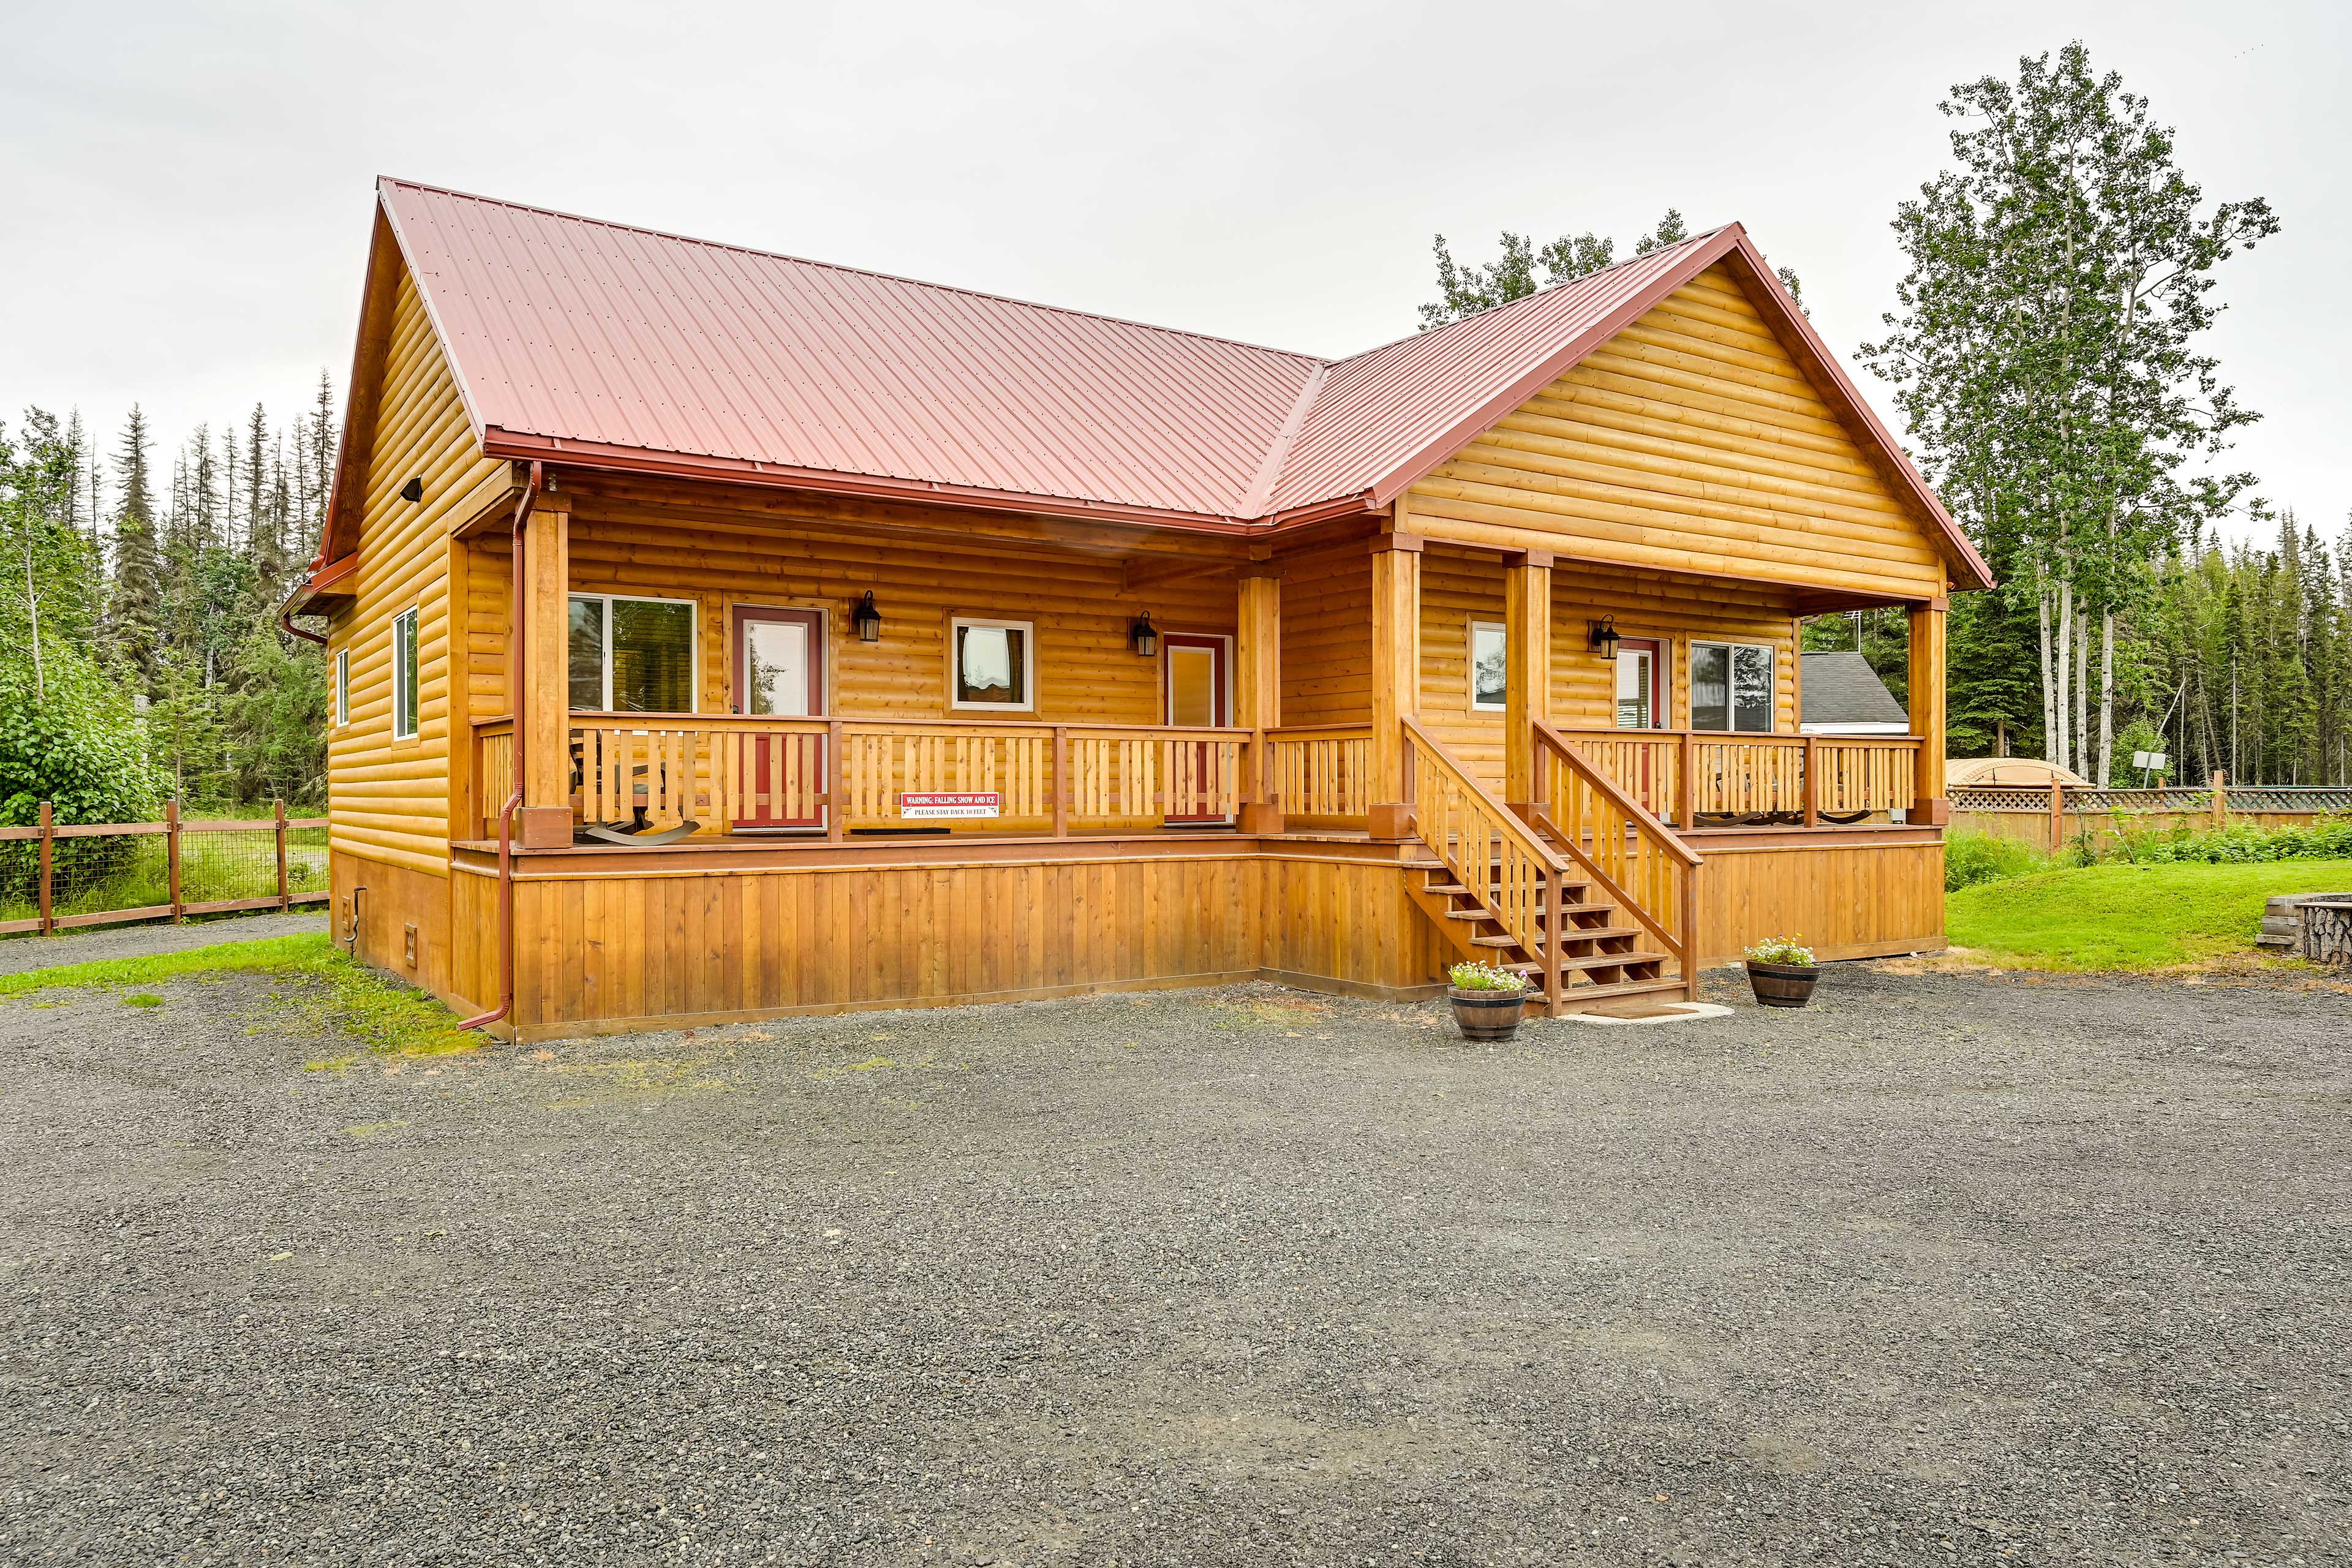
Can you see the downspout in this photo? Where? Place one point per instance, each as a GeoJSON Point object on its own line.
{"type": "Point", "coordinates": [516, 633]}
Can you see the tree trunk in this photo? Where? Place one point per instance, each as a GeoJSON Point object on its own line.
{"type": "Point", "coordinates": [2106, 697]}
{"type": "Point", "coordinates": [2048, 681]}
{"type": "Point", "coordinates": [2064, 753]}
{"type": "Point", "coordinates": [2083, 693]}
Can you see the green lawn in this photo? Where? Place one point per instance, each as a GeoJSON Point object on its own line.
{"type": "Point", "coordinates": [319, 991]}
{"type": "Point", "coordinates": [2128, 917]}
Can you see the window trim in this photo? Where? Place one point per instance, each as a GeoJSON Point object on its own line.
{"type": "Point", "coordinates": [1028, 630]}
{"type": "Point", "coordinates": [1470, 664]}
{"type": "Point", "coordinates": [1662, 683]}
{"type": "Point", "coordinates": [342, 686]}
{"type": "Point", "coordinates": [1730, 700]}
{"type": "Point", "coordinates": [694, 643]}
{"type": "Point", "coordinates": [405, 681]}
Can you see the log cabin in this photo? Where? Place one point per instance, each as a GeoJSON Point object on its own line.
{"type": "Point", "coordinates": [718, 635]}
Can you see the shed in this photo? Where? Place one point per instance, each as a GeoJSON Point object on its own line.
{"type": "Point", "coordinates": [1842, 695]}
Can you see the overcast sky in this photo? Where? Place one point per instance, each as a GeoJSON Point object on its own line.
{"type": "Point", "coordinates": [187, 185]}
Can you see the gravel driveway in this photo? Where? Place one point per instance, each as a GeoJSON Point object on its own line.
{"type": "Point", "coordinates": [1945, 1270]}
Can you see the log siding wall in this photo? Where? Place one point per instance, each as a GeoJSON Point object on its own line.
{"type": "Point", "coordinates": [1690, 440]}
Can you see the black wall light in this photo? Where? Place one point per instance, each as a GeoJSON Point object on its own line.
{"type": "Point", "coordinates": [1145, 636]}
{"type": "Point", "coordinates": [866, 619]}
{"type": "Point", "coordinates": [412, 491]}
{"type": "Point", "coordinates": [1604, 636]}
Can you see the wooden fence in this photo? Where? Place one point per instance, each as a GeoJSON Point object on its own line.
{"type": "Point", "coordinates": [2049, 815]}
{"type": "Point", "coordinates": [80, 874]}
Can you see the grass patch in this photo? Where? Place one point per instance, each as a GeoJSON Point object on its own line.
{"type": "Point", "coordinates": [326, 990]}
{"type": "Point", "coordinates": [2128, 917]}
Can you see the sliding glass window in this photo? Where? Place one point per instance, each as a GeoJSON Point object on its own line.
{"type": "Point", "coordinates": [632, 656]}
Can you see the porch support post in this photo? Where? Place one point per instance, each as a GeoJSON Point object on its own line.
{"type": "Point", "coordinates": [543, 702]}
{"type": "Point", "coordinates": [1527, 674]}
{"type": "Point", "coordinates": [1929, 807]}
{"type": "Point", "coordinates": [1257, 690]}
{"type": "Point", "coordinates": [1396, 678]}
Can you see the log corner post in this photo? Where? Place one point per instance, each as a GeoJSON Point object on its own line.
{"type": "Point", "coordinates": [1396, 678]}
{"type": "Point", "coordinates": [543, 706]}
{"type": "Point", "coordinates": [1527, 677]}
{"type": "Point", "coordinates": [1257, 692]}
{"type": "Point", "coordinates": [1929, 806]}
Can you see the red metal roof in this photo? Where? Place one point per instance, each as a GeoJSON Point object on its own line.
{"type": "Point", "coordinates": [603, 345]}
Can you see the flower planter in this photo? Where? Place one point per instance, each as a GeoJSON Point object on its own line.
{"type": "Point", "coordinates": [1487, 1015]}
{"type": "Point", "coordinates": [1782, 985]}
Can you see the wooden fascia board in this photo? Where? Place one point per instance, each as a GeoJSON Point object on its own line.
{"type": "Point", "coordinates": [363, 392]}
{"type": "Point", "coordinates": [488, 507]}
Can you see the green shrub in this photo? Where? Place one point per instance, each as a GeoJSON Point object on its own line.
{"type": "Point", "coordinates": [1487, 977]}
{"type": "Point", "coordinates": [1973, 857]}
{"type": "Point", "coordinates": [77, 745]}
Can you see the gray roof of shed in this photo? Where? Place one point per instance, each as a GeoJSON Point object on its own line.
{"type": "Point", "coordinates": [1842, 688]}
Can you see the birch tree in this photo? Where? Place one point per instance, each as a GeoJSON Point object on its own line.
{"type": "Point", "coordinates": [2044, 351]}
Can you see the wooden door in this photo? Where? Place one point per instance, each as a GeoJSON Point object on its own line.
{"type": "Point", "coordinates": [1197, 678]}
{"type": "Point", "coordinates": [1642, 697]}
{"type": "Point", "coordinates": [778, 661]}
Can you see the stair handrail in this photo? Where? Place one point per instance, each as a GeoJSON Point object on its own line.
{"type": "Point", "coordinates": [1537, 934]}
{"type": "Point", "coordinates": [1682, 940]}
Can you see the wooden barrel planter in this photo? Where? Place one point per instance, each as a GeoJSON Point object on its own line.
{"type": "Point", "coordinates": [2325, 935]}
{"type": "Point", "coordinates": [1782, 985]}
{"type": "Point", "coordinates": [1487, 1015]}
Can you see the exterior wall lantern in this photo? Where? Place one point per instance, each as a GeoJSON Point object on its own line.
{"type": "Point", "coordinates": [1604, 636]}
{"type": "Point", "coordinates": [866, 619]}
{"type": "Point", "coordinates": [1146, 637]}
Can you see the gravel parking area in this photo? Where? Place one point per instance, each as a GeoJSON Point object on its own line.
{"type": "Point", "coordinates": [1944, 1270]}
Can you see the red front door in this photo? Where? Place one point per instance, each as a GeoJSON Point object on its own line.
{"type": "Point", "coordinates": [779, 658]}
{"type": "Point", "coordinates": [1196, 679]}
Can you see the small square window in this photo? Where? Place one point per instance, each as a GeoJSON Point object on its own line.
{"type": "Point", "coordinates": [404, 676]}
{"type": "Point", "coordinates": [991, 664]}
{"type": "Point", "coordinates": [1487, 679]}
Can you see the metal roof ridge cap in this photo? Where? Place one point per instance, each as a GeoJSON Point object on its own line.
{"type": "Point", "coordinates": [383, 180]}
{"type": "Point", "coordinates": [1260, 494]}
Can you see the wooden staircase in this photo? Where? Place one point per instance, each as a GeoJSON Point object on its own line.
{"type": "Point", "coordinates": [1592, 898]}
{"type": "Point", "coordinates": [1603, 956]}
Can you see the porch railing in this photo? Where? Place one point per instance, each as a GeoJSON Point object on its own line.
{"type": "Point", "coordinates": [1320, 777]}
{"type": "Point", "coordinates": [1487, 850]}
{"type": "Point", "coordinates": [1678, 774]}
{"type": "Point", "coordinates": [840, 775]}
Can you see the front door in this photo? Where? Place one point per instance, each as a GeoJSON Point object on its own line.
{"type": "Point", "coordinates": [1196, 679]}
{"type": "Point", "coordinates": [779, 658]}
{"type": "Point", "coordinates": [1641, 705]}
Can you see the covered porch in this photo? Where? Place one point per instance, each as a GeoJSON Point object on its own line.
{"type": "Point", "coordinates": [1456, 720]}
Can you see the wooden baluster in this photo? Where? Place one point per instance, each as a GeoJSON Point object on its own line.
{"type": "Point", "coordinates": [1814, 784]}
{"type": "Point", "coordinates": [1686, 811]}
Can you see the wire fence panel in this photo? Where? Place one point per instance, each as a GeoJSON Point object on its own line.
{"type": "Point", "coordinates": [54, 876]}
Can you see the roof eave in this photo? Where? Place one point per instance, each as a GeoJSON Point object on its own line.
{"type": "Point", "coordinates": [588, 455]}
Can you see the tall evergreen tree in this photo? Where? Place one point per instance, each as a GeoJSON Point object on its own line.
{"type": "Point", "coordinates": [136, 604]}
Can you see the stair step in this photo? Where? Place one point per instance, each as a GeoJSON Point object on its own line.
{"type": "Point", "coordinates": [1481, 914]}
{"type": "Point", "coordinates": [1595, 933]}
{"type": "Point", "coordinates": [1579, 994]}
{"type": "Point", "coordinates": [1613, 960]}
